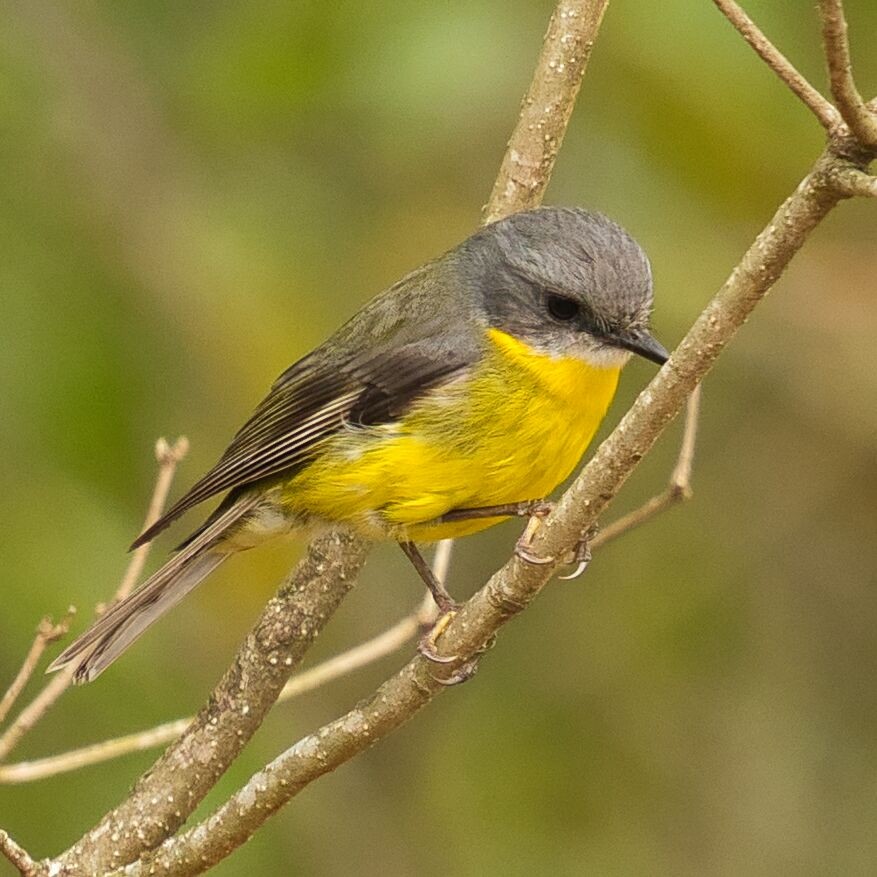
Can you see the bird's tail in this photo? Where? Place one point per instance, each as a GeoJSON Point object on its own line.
{"type": "Point", "coordinates": [123, 623]}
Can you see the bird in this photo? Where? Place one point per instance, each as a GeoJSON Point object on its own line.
{"type": "Point", "coordinates": [453, 399]}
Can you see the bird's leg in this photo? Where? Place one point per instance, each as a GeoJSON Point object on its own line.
{"type": "Point", "coordinates": [448, 608]}
{"type": "Point", "coordinates": [445, 602]}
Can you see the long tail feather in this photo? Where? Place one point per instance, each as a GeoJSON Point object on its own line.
{"type": "Point", "coordinates": [98, 655]}
{"type": "Point", "coordinates": [123, 623]}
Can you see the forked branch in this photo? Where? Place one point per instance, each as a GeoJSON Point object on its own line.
{"type": "Point", "coordinates": [828, 116]}
{"type": "Point", "coordinates": [852, 117]}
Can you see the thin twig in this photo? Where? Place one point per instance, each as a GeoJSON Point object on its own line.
{"type": "Point", "coordinates": [861, 120]}
{"type": "Point", "coordinates": [341, 665]}
{"type": "Point", "coordinates": [678, 489]}
{"type": "Point", "coordinates": [828, 116]}
{"type": "Point", "coordinates": [17, 855]}
{"type": "Point", "coordinates": [680, 478]}
{"type": "Point", "coordinates": [106, 750]}
{"type": "Point", "coordinates": [334, 668]}
{"type": "Point", "coordinates": [168, 457]}
{"type": "Point", "coordinates": [47, 633]}
{"type": "Point", "coordinates": [511, 589]}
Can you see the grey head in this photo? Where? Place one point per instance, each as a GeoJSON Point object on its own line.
{"type": "Point", "coordinates": [566, 281]}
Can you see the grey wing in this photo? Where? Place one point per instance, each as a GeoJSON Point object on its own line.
{"type": "Point", "coordinates": [312, 400]}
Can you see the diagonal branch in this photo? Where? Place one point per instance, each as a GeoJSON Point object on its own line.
{"type": "Point", "coordinates": [828, 116]}
{"type": "Point", "coordinates": [165, 795]}
{"type": "Point", "coordinates": [861, 120]}
{"type": "Point", "coordinates": [16, 855]}
{"type": "Point", "coordinates": [546, 108]}
{"type": "Point", "coordinates": [511, 589]}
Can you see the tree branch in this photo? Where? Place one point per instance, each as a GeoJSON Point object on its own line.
{"type": "Point", "coordinates": [828, 116]}
{"type": "Point", "coordinates": [168, 458]}
{"type": "Point", "coordinates": [163, 797]}
{"type": "Point", "coordinates": [861, 120]}
{"type": "Point", "coordinates": [546, 108]}
{"type": "Point", "coordinates": [511, 589]}
{"type": "Point", "coordinates": [17, 855]}
{"type": "Point", "coordinates": [853, 182]}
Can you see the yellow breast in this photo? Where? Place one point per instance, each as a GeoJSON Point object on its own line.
{"type": "Point", "coordinates": [510, 431]}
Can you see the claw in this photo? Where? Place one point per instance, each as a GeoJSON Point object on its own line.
{"type": "Point", "coordinates": [581, 556]}
{"type": "Point", "coordinates": [529, 557]}
{"type": "Point", "coordinates": [427, 643]}
{"type": "Point", "coordinates": [522, 546]}
{"type": "Point", "coordinates": [582, 566]}
{"type": "Point", "coordinates": [425, 649]}
{"type": "Point", "coordinates": [462, 674]}
{"type": "Point", "coordinates": [539, 508]}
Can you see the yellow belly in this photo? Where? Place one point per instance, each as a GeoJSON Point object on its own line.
{"type": "Point", "coordinates": [511, 431]}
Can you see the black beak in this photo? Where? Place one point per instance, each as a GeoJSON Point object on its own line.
{"type": "Point", "coordinates": [643, 344]}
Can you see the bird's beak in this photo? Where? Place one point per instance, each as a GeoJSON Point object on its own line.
{"type": "Point", "coordinates": [643, 344]}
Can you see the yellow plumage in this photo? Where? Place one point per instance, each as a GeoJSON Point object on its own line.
{"type": "Point", "coordinates": [512, 430]}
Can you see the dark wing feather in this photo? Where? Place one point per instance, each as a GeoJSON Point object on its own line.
{"type": "Point", "coordinates": [310, 402]}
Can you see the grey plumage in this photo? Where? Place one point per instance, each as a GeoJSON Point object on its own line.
{"type": "Point", "coordinates": [572, 253]}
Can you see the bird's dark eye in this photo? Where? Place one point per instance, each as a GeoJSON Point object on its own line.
{"type": "Point", "coordinates": [562, 308]}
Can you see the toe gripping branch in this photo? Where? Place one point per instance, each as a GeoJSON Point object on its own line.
{"type": "Point", "coordinates": [580, 556]}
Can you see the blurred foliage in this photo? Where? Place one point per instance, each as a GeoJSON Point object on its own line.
{"type": "Point", "coordinates": [195, 194]}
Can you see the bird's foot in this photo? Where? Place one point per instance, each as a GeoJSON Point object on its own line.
{"type": "Point", "coordinates": [427, 648]}
{"type": "Point", "coordinates": [537, 511]}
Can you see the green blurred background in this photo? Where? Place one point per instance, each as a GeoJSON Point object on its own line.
{"type": "Point", "coordinates": [194, 195]}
